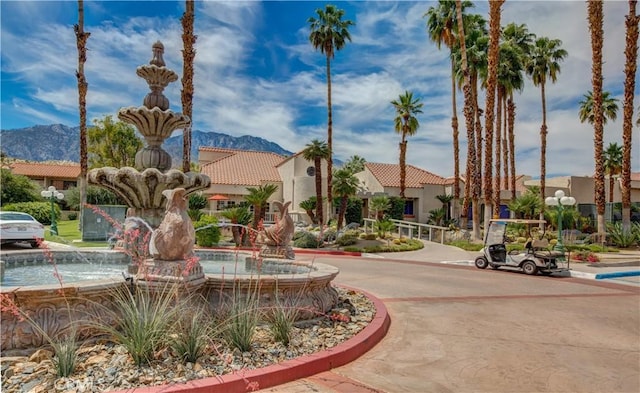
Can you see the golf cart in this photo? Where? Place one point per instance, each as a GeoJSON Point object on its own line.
{"type": "Point", "coordinates": [537, 256]}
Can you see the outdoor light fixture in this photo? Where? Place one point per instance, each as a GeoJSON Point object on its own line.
{"type": "Point", "coordinates": [559, 202]}
{"type": "Point", "coordinates": [52, 194]}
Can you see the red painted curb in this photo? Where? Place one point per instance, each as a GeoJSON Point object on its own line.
{"type": "Point", "coordinates": [289, 370]}
{"type": "Point", "coordinates": [295, 250]}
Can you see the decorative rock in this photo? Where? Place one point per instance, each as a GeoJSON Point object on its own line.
{"type": "Point", "coordinates": [40, 355]}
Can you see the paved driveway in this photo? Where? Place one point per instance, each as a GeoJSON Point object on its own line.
{"type": "Point", "coordinates": [460, 329]}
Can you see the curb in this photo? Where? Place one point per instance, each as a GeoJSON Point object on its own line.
{"type": "Point", "coordinates": [603, 276]}
{"type": "Point", "coordinates": [289, 370]}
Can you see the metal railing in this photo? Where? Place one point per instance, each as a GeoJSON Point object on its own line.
{"type": "Point", "coordinates": [408, 229]}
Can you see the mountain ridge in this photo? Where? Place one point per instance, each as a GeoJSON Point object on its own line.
{"type": "Point", "coordinates": [62, 143]}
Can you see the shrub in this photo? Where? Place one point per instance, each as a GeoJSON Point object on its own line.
{"type": "Point", "coordinates": [370, 236]}
{"type": "Point", "coordinates": [242, 320]}
{"type": "Point", "coordinates": [346, 240]}
{"type": "Point", "coordinates": [209, 236]}
{"type": "Point", "coordinates": [72, 216]}
{"type": "Point", "coordinates": [41, 211]}
{"type": "Point", "coordinates": [192, 335]}
{"type": "Point", "coordinates": [329, 234]}
{"type": "Point", "coordinates": [354, 211]}
{"type": "Point", "coordinates": [17, 188]}
{"type": "Point", "coordinates": [620, 237]}
{"type": "Point", "coordinates": [307, 240]}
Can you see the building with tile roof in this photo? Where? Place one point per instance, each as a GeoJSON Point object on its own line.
{"type": "Point", "coordinates": [60, 175]}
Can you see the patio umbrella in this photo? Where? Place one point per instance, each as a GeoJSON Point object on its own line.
{"type": "Point", "coordinates": [218, 197]}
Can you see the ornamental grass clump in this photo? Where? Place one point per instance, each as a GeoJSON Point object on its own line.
{"type": "Point", "coordinates": [242, 319]}
{"type": "Point", "coordinates": [192, 335]}
{"type": "Point", "coordinates": [282, 318]}
{"type": "Point", "coordinates": [143, 318]}
{"type": "Point", "coordinates": [65, 354]}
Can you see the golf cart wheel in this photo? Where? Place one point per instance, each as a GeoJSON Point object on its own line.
{"type": "Point", "coordinates": [482, 263]}
{"type": "Point", "coordinates": [530, 268]}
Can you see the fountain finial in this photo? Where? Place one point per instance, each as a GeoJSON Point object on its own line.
{"type": "Point", "coordinates": [158, 49]}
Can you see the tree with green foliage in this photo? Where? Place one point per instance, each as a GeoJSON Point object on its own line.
{"type": "Point", "coordinates": [354, 211]}
{"type": "Point", "coordinates": [239, 215]}
{"type": "Point", "coordinates": [258, 197]}
{"type": "Point", "coordinates": [309, 206]}
{"type": "Point", "coordinates": [379, 204]}
{"type": "Point", "coordinates": [207, 231]}
{"type": "Point", "coordinates": [345, 184]}
{"type": "Point", "coordinates": [329, 34]}
{"type": "Point", "coordinates": [95, 196]}
{"type": "Point", "coordinates": [396, 208]}
{"type": "Point", "coordinates": [355, 164]}
{"type": "Point", "coordinates": [612, 165]}
{"type": "Point", "coordinates": [316, 151]}
{"type": "Point", "coordinates": [528, 205]}
{"type": "Point", "coordinates": [112, 143]}
{"type": "Point", "coordinates": [406, 124]}
{"type": "Point", "coordinates": [197, 202]}
{"type": "Point", "coordinates": [17, 188]}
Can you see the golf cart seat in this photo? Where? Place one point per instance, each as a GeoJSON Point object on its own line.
{"type": "Point", "coordinates": [540, 249]}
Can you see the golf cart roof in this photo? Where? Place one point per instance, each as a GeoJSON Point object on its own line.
{"type": "Point", "coordinates": [517, 221]}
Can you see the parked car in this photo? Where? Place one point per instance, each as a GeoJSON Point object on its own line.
{"type": "Point", "coordinates": [18, 227]}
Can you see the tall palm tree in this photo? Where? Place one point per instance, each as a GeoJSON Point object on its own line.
{"type": "Point", "coordinates": [492, 76]}
{"type": "Point", "coordinates": [316, 151]}
{"type": "Point", "coordinates": [355, 164]}
{"type": "Point", "coordinates": [329, 33]}
{"type": "Point", "coordinates": [468, 107]}
{"type": "Point", "coordinates": [609, 108]}
{"type": "Point", "coordinates": [406, 124]}
{"type": "Point", "coordinates": [188, 54]}
{"type": "Point", "coordinates": [441, 24]}
{"type": "Point", "coordinates": [612, 164]}
{"type": "Point", "coordinates": [595, 17]}
{"type": "Point", "coordinates": [544, 65]}
{"type": "Point", "coordinates": [345, 184]}
{"type": "Point", "coordinates": [631, 53]}
{"type": "Point", "coordinates": [258, 197]}
{"type": "Point", "coordinates": [81, 42]}
{"type": "Point", "coordinates": [520, 38]}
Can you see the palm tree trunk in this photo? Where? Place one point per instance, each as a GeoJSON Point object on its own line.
{"type": "Point", "coordinates": [456, 147]}
{"type": "Point", "coordinates": [498, 181]}
{"type": "Point", "coordinates": [478, 135]}
{"type": "Point", "coordinates": [611, 182]}
{"type": "Point", "coordinates": [494, 36]}
{"type": "Point", "coordinates": [512, 142]}
{"type": "Point", "coordinates": [403, 168]}
{"type": "Point", "coordinates": [188, 54]}
{"type": "Point", "coordinates": [468, 114]}
{"type": "Point", "coordinates": [595, 27]}
{"type": "Point", "coordinates": [543, 149]}
{"type": "Point", "coordinates": [343, 209]}
{"type": "Point", "coordinates": [505, 147]}
{"type": "Point", "coordinates": [81, 42]}
{"type": "Point", "coordinates": [329, 136]}
{"type": "Point", "coordinates": [631, 54]}
{"type": "Point", "coordinates": [319, 201]}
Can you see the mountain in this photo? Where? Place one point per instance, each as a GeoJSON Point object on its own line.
{"type": "Point", "coordinates": [62, 143]}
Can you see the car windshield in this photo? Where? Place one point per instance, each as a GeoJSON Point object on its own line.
{"type": "Point", "coordinates": [15, 217]}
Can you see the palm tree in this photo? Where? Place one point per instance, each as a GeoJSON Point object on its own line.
{"type": "Point", "coordinates": [355, 164]}
{"type": "Point", "coordinates": [316, 151]}
{"type": "Point", "coordinates": [81, 42]}
{"type": "Point", "coordinates": [379, 204]}
{"type": "Point", "coordinates": [406, 124]}
{"type": "Point", "coordinates": [595, 17]}
{"type": "Point", "coordinates": [631, 53]}
{"type": "Point", "coordinates": [521, 39]}
{"type": "Point", "coordinates": [612, 164]}
{"type": "Point", "coordinates": [241, 216]}
{"type": "Point", "coordinates": [329, 33]}
{"type": "Point", "coordinates": [188, 54]}
{"type": "Point", "coordinates": [441, 24]}
{"type": "Point", "coordinates": [468, 110]}
{"type": "Point", "coordinates": [609, 108]}
{"type": "Point", "coordinates": [492, 76]}
{"type": "Point", "coordinates": [258, 197]}
{"type": "Point", "coordinates": [510, 78]}
{"type": "Point", "coordinates": [345, 184]}
{"type": "Point", "coordinates": [543, 63]}
{"type": "Point", "coordinates": [309, 205]}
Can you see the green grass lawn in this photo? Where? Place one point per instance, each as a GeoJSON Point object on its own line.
{"type": "Point", "coordinates": [68, 233]}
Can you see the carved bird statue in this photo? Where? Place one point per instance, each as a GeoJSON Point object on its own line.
{"type": "Point", "coordinates": [173, 239]}
{"type": "Point", "coordinates": [281, 233]}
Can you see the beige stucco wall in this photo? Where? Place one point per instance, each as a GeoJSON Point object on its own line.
{"type": "Point", "coordinates": [297, 185]}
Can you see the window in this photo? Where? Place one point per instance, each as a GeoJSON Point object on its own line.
{"type": "Point", "coordinates": [311, 171]}
{"type": "Point", "coordinates": [408, 207]}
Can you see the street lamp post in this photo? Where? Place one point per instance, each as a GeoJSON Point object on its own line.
{"type": "Point", "coordinates": [560, 202]}
{"type": "Point", "coordinates": [52, 194]}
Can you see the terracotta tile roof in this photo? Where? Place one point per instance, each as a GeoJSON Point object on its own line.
{"type": "Point", "coordinates": [389, 175]}
{"type": "Point", "coordinates": [41, 170]}
{"type": "Point", "coordinates": [242, 167]}
{"type": "Point", "coordinates": [635, 176]}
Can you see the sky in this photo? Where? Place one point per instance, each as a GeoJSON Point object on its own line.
{"type": "Point", "coordinates": [257, 74]}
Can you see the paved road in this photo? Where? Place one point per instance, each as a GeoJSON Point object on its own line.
{"type": "Point", "coordinates": [460, 329]}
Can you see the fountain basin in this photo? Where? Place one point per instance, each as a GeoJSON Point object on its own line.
{"type": "Point", "coordinates": [306, 286]}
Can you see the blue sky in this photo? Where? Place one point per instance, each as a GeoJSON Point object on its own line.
{"type": "Point", "coordinates": [256, 74]}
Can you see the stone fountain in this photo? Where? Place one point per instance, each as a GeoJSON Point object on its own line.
{"type": "Point", "coordinates": [155, 193]}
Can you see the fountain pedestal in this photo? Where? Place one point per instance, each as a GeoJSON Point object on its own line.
{"type": "Point", "coordinates": [157, 273]}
